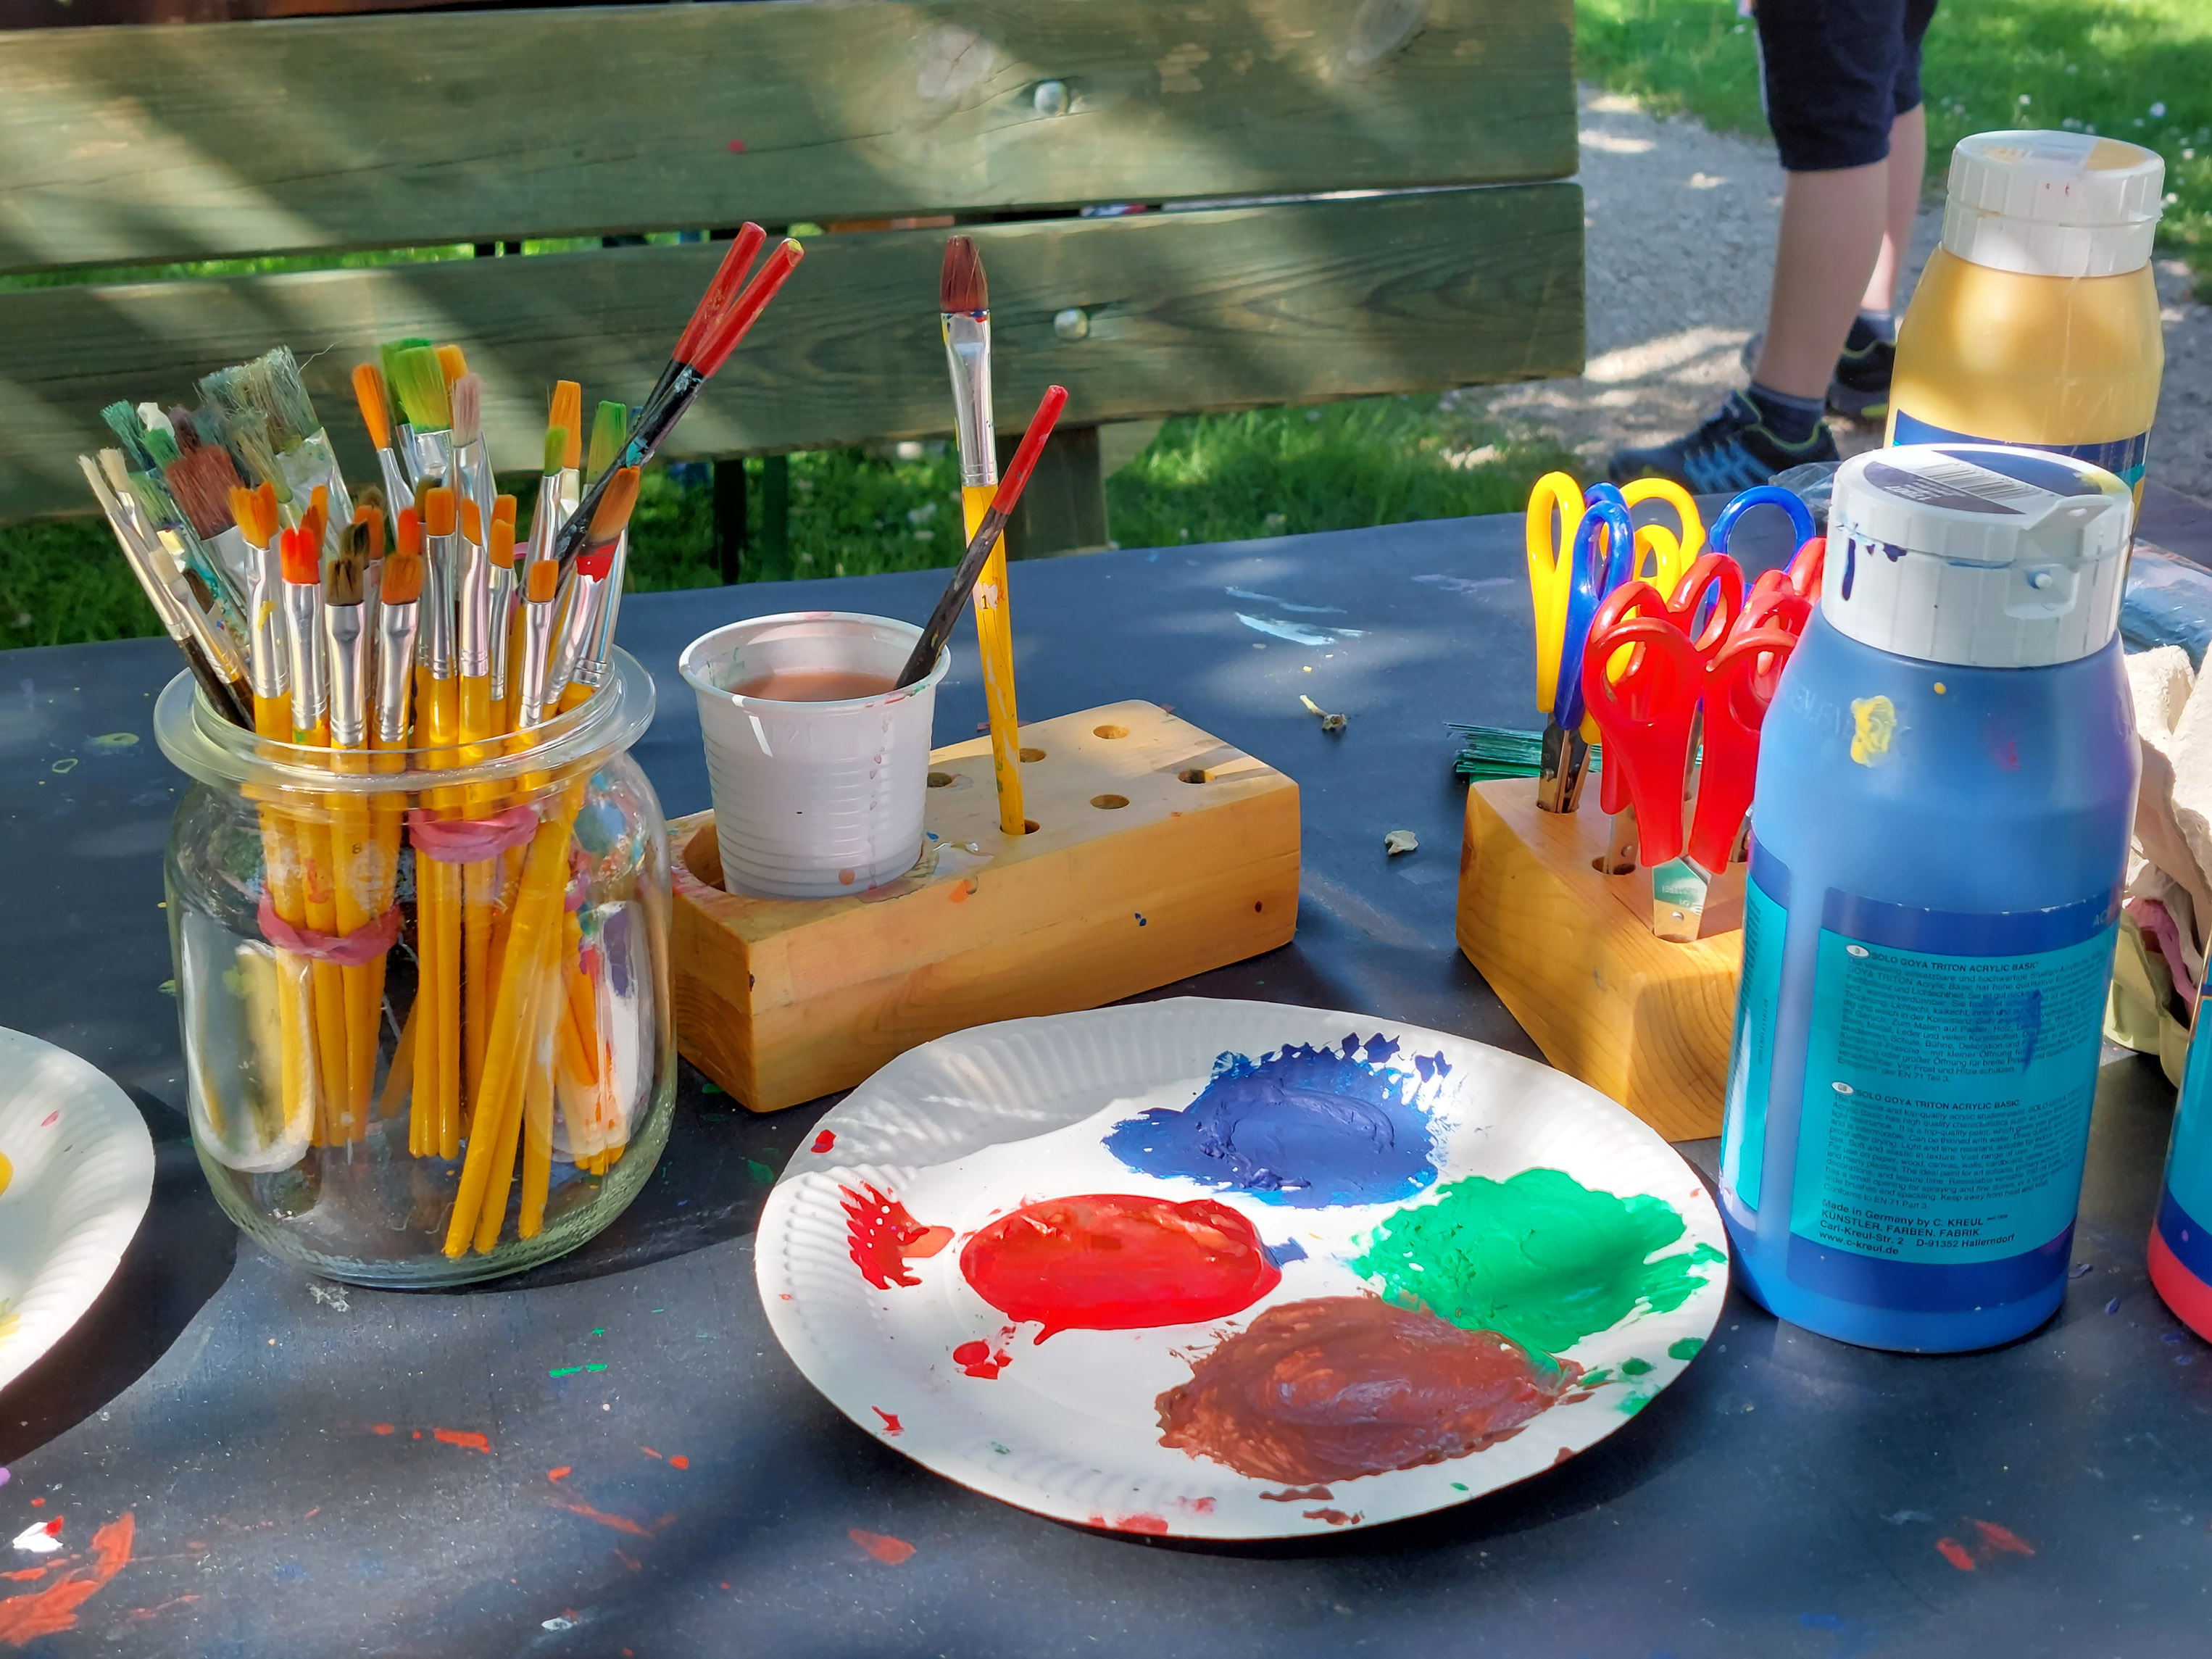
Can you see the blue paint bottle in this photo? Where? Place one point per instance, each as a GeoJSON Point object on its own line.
{"type": "Point", "coordinates": [1946, 781]}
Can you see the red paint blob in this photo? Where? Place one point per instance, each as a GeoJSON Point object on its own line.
{"type": "Point", "coordinates": [467, 1439]}
{"type": "Point", "coordinates": [1154, 1524]}
{"type": "Point", "coordinates": [825, 1141]}
{"type": "Point", "coordinates": [882, 1237]}
{"type": "Point", "coordinates": [1298, 1495]}
{"type": "Point", "coordinates": [736, 147]}
{"type": "Point", "coordinates": [24, 1619]}
{"type": "Point", "coordinates": [379, 1428]}
{"type": "Point", "coordinates": [1117, 1261]}
{"type": "Point", "coordinates": [24, 1575]}
{"type": "Point", "coordinates": [616, 1522]}
{"type": "Point", "coordinates": [53, 1527]}
{"type": "Point", "coordinates": [1955, 1552]}
{"type": "Point", "coordinates": [2003, 1538]}
{"type": "Point", "coordinates": [561, 1474]}
{"type": "Point", "coordinates": [1341, 1386]}
{"type": "Point", "coordinates": [891, 1552]}
{"type": "Point", "coordinates": [891, 1425]}
{"type": "Point", "coordinates": [1335, 1517]}
{"type": "Point", "coordinates": [977, 1360]}
{"type": "Point", "coordinates": [679, 1462]}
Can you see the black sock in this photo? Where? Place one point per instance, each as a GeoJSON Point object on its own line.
{"type": "Point", "coordinates": [1870, 328]}
{"type": "Point", "coordinates": [1792, 420]}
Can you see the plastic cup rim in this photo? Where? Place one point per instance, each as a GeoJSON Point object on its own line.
{"type": "Point", "coordinates": [687, 665]}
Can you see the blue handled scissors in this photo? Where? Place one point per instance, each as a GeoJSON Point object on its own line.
{"type": "Point", "coordinates": [1800, 516]}
{"type": "Point", "coordinates": [1596, 571]}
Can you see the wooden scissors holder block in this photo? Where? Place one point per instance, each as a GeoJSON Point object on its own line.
{"type": "Point", "coordinates": [1644, 1021]}
{"type": "Point", "coordinates": [1160, 851]}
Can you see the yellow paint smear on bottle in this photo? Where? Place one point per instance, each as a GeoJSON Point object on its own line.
{"type": "Point", "coordinates": [1874, 726]}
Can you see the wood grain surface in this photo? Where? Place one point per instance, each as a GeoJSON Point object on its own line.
{"type": "Point", "coordinates": [783, 1000]}
{"type": "Point", "coordinates": [1222, 309]}
{"type": "Point", "coordinates": [143, 145]}
{"type": "Point", "coordinates": [1644, 1021]}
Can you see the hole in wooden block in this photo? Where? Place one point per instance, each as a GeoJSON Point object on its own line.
{"type": "Point", "coordinates": [1032, 754]}
{"type": "Point", "coordinates": [1110, 802]}
{"type": "Point", "coordinates": [941, 780]}
{"type": "Point", "coordinates": [1030, 826]}
{"type": "Point", "coordinates": [1259, 904]}
{"type": "Point", "coordinates": [1194, 775]}
{"type": "Point", "coordinates": [1109, 730]}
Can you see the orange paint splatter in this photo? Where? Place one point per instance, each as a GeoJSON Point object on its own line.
{"type": "Point", "coordinates": [561, 1474]}
{"type": "Point", "coordinates": [379, 1428]}
{"type": "Point", "coordinates": [619, 1523]}
{"type": "Point", "coordinates": [25, 1575]}
{"type": "Point", "coordinates": [2002, 1538]}
{"type": "Point", "coordinates": [649, 1452]}
{"type": "Point", "coordinates": [418, 1434]}
{"type": "Point", "coordinates": [1297, 1495]}
{"type": "Point", "coordinates": [881, 1238]}
{"type": "Point", "coordinates": [891, 1552]}
{"type": "Point", "coordinates": [1155, 1524]}
{"type": "Point", "coordinates": [1955, 1552]}
{"type": "Point", "coordinates": [679, 1462]}
{"type": "Point", "coordinates": [24, 1619]}
{"type": "Point", "coordinates": [891, 1425]}
{"type": "Point", "coordinates": [465, 1438]}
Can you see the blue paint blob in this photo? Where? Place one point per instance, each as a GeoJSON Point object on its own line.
{"type": "Point", "coordinates": [1290, 1250]}
{"type": "Point", "coordinates": [1305, 1126]}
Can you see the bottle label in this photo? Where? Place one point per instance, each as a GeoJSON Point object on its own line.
{"type": "Point", "coordinates": [1751, 1056]}
{"type": "Point", "coordinates": [2122, 456]}
{"type": "Point", "coordinates": [1949, 1071]}
{"type": "Point", "coordinates": [2186, 1202]}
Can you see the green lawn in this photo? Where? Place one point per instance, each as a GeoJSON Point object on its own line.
{"type": "Point", "coordinates": [2138, 69]}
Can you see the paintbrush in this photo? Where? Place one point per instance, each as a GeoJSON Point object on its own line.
{"type": "Point", "coordinates": [610, 432]}
{"type": "Point", "coordinates": [502, 550]}
{"type": "Point", "coordinates": [398, 618]}
{"type": "Point", "coordinates": [471, 459]}
{"type": "Point", "coordinates": [963, 301]}
{"type": "Point", "coordinates": [221, 696]}
{"type": "Point", "coordinates": [270, 387]}
{"type": "Point", "coordinates": [538, 607]}
{"type": "Point", "coordinates": [441, 525]}
{"type": "Point", "coordinates": [939, 629]}
{"type": "Point", "coordinates": [658, 417]}
{"type": "Point", "coordinates": [148, 450]}
{"type": "Point", "coordinates": [545, 517]}
{"type": "Point", "coordinates": [577, 672]}
{"type": "Point", "coordinates": [133, 500]}
{"type": "Point", "coordinates": [200, 481]}
{"type": "Point", "coordinates": [568, 413]}
{"type": "Point", "coordinates": [346, 642]}
{"type": "Point", "coordinates": [376, 415]}
{"type": "Point", "coordinates": [403, 432]}
{"type": "Point", "coordinates": [419, 382]}
{"type": "Point", "coordinates": [306, 668]}
{"type": "Point", "coordinates": [712, 306]}
{"type": "Point", "coordinates": [268, 655]}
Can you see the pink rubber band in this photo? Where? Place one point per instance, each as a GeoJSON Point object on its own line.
{"type": "Point", "coordinates": [471, 840]}
{"type": "Point", "coordinates": [364, 945]}
{"type": "Point", "coordinates": [2155, 919]}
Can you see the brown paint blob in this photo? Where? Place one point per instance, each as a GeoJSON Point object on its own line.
{"type": "Point", "coordinates": [1342, 1386]}
{"type": "Point", "coordinates": [813, 685]}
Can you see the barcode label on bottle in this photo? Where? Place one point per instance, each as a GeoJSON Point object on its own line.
{"type": "Point", "coordinates": [1959, 485]}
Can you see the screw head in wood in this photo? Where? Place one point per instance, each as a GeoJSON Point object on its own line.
{"type": "Point", "coordinates": [1050, 98]}
{"type": "Point", "coordinates": [1072, 323]}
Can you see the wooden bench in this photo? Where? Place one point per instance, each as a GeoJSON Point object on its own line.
{"type": "Point", "coordinates": [134, 146]}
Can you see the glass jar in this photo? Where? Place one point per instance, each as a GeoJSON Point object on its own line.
{"type": "Point", "coordinates": [424, 993]}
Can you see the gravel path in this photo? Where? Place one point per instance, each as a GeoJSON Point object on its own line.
{"type": "Point", "coordinates": [1681, 224]}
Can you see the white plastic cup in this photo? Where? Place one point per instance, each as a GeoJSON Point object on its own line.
{"type": "Point", "coordinates": [813, 800]}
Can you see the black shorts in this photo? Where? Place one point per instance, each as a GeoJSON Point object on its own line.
{"type": "Point", "coordinates": [1833, 74]}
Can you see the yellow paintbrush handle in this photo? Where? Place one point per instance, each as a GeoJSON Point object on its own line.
{"type": "Point", "coordinates": [994, 633]}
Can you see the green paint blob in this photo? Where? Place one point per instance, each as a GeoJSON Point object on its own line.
{"type": "Point", "coordinates": [1540, 1258]}
{"type": "Point", "coordinates": [706, 1088]}
{"type": "Point", "coordinates": [1459, 1486]}
{"type": "Point", "coordinates": [1629, 1404]}
{"type": "Point", "coordinates": [759, 1171]}
{"type": "Point", "coordinates": [1634, 1367]}
{"type": "Point", "coordinates": [564, 1371]}
{"type": "Point", "coordinates": [1685, 1347]}
{"type": "Point", "coordinates": [1603, 1374]}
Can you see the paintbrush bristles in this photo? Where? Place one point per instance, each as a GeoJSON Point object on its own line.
{"type": "Point", "coordinates": [502, 543]}
{"type": "Point", "coordinates": [960, 284]}
{"type": "Point", "coordinates": [201, 481]}
{"type": "Point", "coordinates": [440, 515]}
{"type": "Point", "coordinates": [544, 581]}
{"type": "Point", "coordinates": [614, 506]}
{"type": "Point", "coordinates": [568, 414]}
{"type": "Point", "coordinates": [403, 578]}
{"type": "Point", "coordinates": [375, 413]}
{"type": "Point", "coordinates": [610, 432]}
{"type": "Point", "coordinates": [503, 510]}
{"type": "Point", "coordinates": [298, 556]}
{"type": "Point", "coordinates": [468, 409]}
{"type": "Point", "coordinates": [343, 574]}
{"type": "Point", "coordinates": [451, 363]}
{"type": "Point", "coordinates": [472, 522]}
{"type": "Point", "coordinates": [269, 386]}
{"type": "Point", "coordinates": [122, 420]}
{"type": "Point", "coordinates": [419, 383]}
{"type": "Point", "coordinates": [556, 446]}
{"type": "Point", "coordinates": [411, 533]}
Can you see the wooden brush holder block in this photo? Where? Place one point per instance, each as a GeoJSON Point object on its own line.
{"type": "Point", "coordinates": [1566, 949]}
{"type": "Point", "coordinates": [1158, 852]}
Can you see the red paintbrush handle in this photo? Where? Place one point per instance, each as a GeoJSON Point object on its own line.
{"type": "Point", "coordinates": [775, 271]}
{"type": "Point", "coordinates": [731, 271]}
{"type": "Point", "coordinates": [1026, 458]}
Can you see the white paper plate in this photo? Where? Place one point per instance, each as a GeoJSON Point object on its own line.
{"type": "Point", "coordinates": [965, 1130]}
{"type": "Point", "coordinates": [78, 1171]}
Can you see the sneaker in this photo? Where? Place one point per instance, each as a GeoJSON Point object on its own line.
{"type": "Point", "coordinates": [1730, 452]}
{"type": "Point", "coordinates": [1859, 388]}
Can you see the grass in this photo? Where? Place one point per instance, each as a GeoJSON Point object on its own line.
{"type": "Point", "coordinates": [2138, 69]}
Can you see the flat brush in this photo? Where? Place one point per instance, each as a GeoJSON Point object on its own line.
{"type": "Point", "coordinates": [268, 656]}
{"type": "Point", "coordinates": [270, 387]}
{"type": "Point", "coordinates": [502, 599]}
{"type": "Point", "coordinates": [568, 414]}
{"type": "Point", "coordinates": [576, 671]}
{"type": "Point", "coordinates": [403, 432]}
{"type": "Point", "coordinates": [660, 417]}
{"type": "Point", "coordinates": [345, 638]}
{"type": "Point", "coordinates": [471, 459]}
{"type": "Point", "coordinates": [305, 666]}
{"type": "Point", "coordinates": [938, 629]}
{"type": "Point", "coordinates": [221, 696]}
{"type": "Point", "coordinates": [142, 502]}
{"type": "Point", "coordinates": [538, 607]}
{"type": "Point", "coordinates": [441, 528]}
{"type": "Point", "coordinates": [545, 519]}
{"type": "Point", "coordinates": [610, 432]}
{"type": "Point", "coordinates": [398, 618]}
{"type": "Point", "coordinates": [200, 481]}
{"type": "Point", "coordinates": [369, 391]}
{"type": "Point", "coordinates": [419, 382]}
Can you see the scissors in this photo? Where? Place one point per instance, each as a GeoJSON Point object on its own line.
{"type": "Point", "coordinates": [1786, 597]}
{"type": "Point", "coordinates": [1601, 558]}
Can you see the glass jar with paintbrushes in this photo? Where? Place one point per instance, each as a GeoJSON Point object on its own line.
{"type": "Point", "coordinates": [420, 920]}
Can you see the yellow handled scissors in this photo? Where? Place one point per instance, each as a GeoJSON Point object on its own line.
{"type": "Point", "coordinates": [1555, 513]}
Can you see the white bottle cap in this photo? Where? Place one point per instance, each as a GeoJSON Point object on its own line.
{"type": "Point", "coordinates": [2053, 203]}
{"type": "Point", "coordinates": [1980, 554]}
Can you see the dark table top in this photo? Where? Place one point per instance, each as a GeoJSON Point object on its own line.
{"type": "Point", "coordinates": [1785, 1497]}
